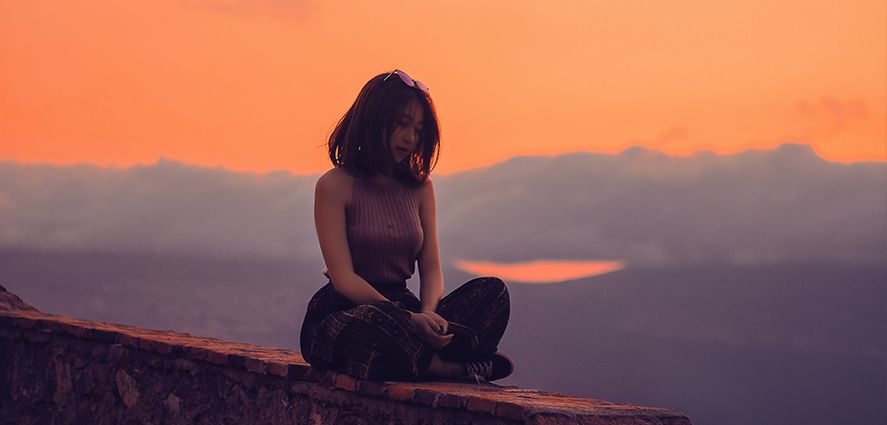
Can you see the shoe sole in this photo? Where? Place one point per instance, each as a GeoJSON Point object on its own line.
{"type": "Point", "coordinates": [508, 360]}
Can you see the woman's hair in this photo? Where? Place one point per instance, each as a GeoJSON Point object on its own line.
{"type": "Point", "coordinates": [359, 143]}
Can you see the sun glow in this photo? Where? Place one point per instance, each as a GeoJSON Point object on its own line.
{"type": "Point", "coordinates": [541, 271]}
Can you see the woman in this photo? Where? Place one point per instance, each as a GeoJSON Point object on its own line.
{"type": "Point", "coordinates": [375, 218]}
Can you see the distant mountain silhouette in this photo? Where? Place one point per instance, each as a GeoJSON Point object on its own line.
{"type": "Point", "coordinates": [641, 206]}
{"type": "Point", "coordinates": [646, 207]}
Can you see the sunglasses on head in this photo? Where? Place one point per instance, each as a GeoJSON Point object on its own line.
{"type": "Point", "coordinates": [409, 81]}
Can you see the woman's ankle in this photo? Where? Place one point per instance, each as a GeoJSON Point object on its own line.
{"type": "Point", "coordinates": [440, 368]}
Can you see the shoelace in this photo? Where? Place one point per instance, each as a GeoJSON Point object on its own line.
{"type": "Point", "coordinates": [479, 370]}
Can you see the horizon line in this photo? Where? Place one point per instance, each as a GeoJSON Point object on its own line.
{"type": "Point", "coordinates": [624, 151]}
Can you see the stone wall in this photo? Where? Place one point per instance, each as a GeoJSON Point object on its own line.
{"type": "Point", "coordinates": [59, 370]}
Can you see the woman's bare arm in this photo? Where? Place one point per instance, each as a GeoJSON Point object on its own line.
{"type": "Point", "coordinates": [431, 286]}
{"type": "Point", "coordinates": [329, 218]}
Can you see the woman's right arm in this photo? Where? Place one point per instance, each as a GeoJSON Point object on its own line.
{"type": "Point", "coordinates": [329, 219]}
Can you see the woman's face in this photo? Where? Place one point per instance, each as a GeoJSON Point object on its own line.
{"type": "Point", "coordinates": [407, 129]}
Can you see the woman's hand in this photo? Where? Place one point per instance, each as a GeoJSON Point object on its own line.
{"type": "Point", "coordinates": [429, 330]}
{"type": "Point", "coordinates": [442, 324]}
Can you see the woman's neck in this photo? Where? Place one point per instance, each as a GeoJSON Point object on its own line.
{"type": "Point", "coordinates": [382, 178]}
{"type": "Point", "coordinates": [386, 175]}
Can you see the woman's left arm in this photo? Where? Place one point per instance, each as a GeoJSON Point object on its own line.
{"type": "Point", "coordinates": [431, 283]}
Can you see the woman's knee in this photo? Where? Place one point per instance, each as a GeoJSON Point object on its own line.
{"type": "Point", "coordinates": [490, 284]}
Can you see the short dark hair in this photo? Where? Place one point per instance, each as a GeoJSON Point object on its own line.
{"type": "Point", "coordinates": [359, 144]}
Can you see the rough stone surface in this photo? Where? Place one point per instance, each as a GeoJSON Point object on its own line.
{"type": "Point", "coordinates": [11, 302]}
{"type": "Point", "coordinates": [127, 388]}
{"type": "Point", "coordinates": [59, 370]}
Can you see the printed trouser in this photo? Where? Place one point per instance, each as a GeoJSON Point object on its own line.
{"type": "Point", "coordinates": [376, 341]}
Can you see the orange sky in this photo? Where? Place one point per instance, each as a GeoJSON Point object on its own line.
{"type": "Point", "coordinates": [258, 85]}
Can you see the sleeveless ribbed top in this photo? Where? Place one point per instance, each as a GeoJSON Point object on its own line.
{"type": "Point", "coordinates": [384, 230]}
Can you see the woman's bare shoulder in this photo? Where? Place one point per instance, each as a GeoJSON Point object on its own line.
{"type": "Point", "coordinates": [426, 191]}
{"type": "Point", "coordinates": [427, 185]}
{"type": "Point", "coordinates": [336, 182]}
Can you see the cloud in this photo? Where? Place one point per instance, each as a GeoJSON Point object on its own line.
{"type": "Point", "coordinates": [640, 206]}
{"type": "Point", "coordinates": [645, 207]}
{"type": "Point", "coordinates": [167, 207]}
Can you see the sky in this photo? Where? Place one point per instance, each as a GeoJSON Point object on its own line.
{"type": "Point", "coordinates": [257, 86]}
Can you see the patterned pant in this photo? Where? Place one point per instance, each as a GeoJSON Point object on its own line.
{"type": "Point", "coordinates": [376, 340]}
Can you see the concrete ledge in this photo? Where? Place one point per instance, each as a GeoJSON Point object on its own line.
{"type": "Point", "coordinates": [63, 364]}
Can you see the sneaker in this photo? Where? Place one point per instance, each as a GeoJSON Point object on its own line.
{"type": "Point", "coordinates": [497, 366]}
